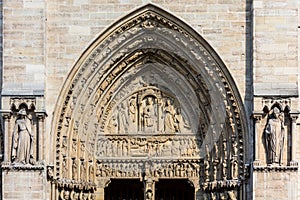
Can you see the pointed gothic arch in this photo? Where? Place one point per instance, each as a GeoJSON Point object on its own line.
{"type": "Point", "coordinates": [149, 56]}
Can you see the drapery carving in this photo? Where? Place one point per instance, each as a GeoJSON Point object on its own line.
{"type": "Point", "coordinates": [22, 150]}
{"type": "Point", "coordinates": [24, 133]}
{"type": "Point", "coordinates": [275, 127]}
{"type": "Point", "coordinates": [148, 110]}
{"type": "Point", "coordinates": [274, 135]}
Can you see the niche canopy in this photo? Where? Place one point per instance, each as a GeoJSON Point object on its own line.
{"type": "Point", "coordinates": [148, 58]}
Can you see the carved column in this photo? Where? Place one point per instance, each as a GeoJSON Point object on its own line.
{"type": "Point", "coordinates": [102, 183]}
{"type": "Point", "coordinates": [7, 147]}
{"type": "Point", "coordinates": [293, 118]}
{"type": "Point", "coordinates": [149, 189]}
{"type": "Point", "coordinates": [257, 119]}
{"type": "Point", "coordinates": [40, 135]}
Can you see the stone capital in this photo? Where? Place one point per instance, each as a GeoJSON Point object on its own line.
{"type": "Point", "coordinates": [294, 117]}
{"type": "Point", "coordinates": [257, 117]}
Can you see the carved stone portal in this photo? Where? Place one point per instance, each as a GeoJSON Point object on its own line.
{"type": "Point", "coordinates": [135, 108]}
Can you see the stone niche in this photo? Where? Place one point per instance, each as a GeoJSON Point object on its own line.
{"type": "Point", "coordinates": [275, 168]}
{"type": "Point", "coordinates": [23, 148]}
{"type": "Point", "coordinates": [275, 129]}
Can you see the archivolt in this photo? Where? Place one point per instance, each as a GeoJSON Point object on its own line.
{"type": "Point", "coordinates": [147, 35]}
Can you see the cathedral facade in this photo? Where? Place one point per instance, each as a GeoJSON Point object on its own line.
{"type": "Point", "coordinates": [154, 100]}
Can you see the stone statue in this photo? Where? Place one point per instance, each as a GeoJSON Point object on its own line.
{"type": "Point", "coordinates": [170, 126]}
{"type": "Point", "coordinates": [274, 135]}
{"type": "Point", "coordinates": [207, 163]}
{"type": "Point", "coordinates": [234, 168]}
{"type": "Point", "coordinates": [180, 124]}
{"type": "Point", "coordinates": [132, 110]}
{"type": "Point", "coordinates": [123, 122]}
{"type": "Point", "coordinates": [74, 169]}
{"type": "Point", "coordinates": [22, 142]}
{"type": "Point", "coordinates": [113, 125]}
{"type": "Point", "coordinates": [149, 115]}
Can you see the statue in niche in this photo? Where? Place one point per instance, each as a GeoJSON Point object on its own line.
{"type": "Point", "coordinates": [170, 126]}
{"type": "Point", "coordinates": [274, 135]}
{"type": "Point", "coordinates": [149, 114]}
{"type": "Point", "coordinates": [234, 168]}
{"type": "Point", "coordinates": [123, 123]}
{"type": "Point", "coordinates": [74, 169]}
{"type": "Point", "coordinates": [74, 147]}
{"type": "Point", "coordinates": [64, 145]}
{"type": "Point", "coordinates": [206, 163]}
{"type": "Point", "coordinates": [22, 141]}
{"type": "Point", "coordinates": [224, 164]}
{"type": "Point", "coordinates": [216, 145]}
{"type": "Point", "coordinates": [64, 167]}
{"type": "Point", "coordinates": [91, 171]}
{"type": "Point", "coordinates": [82, 171]}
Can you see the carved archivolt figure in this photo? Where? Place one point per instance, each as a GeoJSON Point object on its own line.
{"type": "Point", "coordinates": [274, 134]}
{"type": "Point", "coordinates": [74, 169]}
{"type": "Point", "coordinates": [113, 125]}
{"type": "Point", "coordinates": [22, 148]}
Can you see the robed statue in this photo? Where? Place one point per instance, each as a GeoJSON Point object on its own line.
{"type": "Point", "coordinates": [274, 135]}
{"type": "Point", "coordinates": [22, 141]}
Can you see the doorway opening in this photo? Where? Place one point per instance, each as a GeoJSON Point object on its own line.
{"type": "Point", "coordinates": [174, 189]}
{"type": "Point", "coordinates": [129, 189]}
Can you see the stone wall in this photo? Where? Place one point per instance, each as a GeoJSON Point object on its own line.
{"type": "Point", "coordinates": [43, 39]}
{"type": "Point", "coordinates": [24, 47]}
{"type": "Point", "coordinates": [275, 185]}
{"type": "Point", "coordinates": [24, 184]}
{"type": "Point", "coordinates": [276, 47]}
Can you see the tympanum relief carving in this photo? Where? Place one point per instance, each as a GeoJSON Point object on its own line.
{"type": "Point", "coordinates": [148, 111]}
